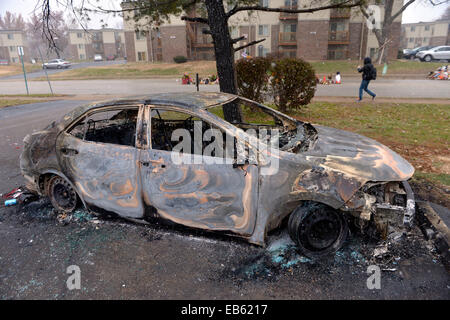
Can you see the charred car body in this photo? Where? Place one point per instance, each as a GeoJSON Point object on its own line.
{"type": "Point", "coordinates": [118, 156]}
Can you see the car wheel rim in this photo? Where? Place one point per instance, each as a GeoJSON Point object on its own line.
{"type": "Point", "coordinates": [320, 230]}
{"type": "Point", "coordinates": [62, 194]}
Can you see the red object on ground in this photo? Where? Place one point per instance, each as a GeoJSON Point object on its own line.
{"type": "Point", "coordinates": [11, 193]}
{"type": "Point", "coordinates": [184, 81]}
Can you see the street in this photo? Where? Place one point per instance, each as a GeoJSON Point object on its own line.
{"type": "Point", "coordinates": [123, 260]}
{"type": "Point", "coordinates": [384, 88]}
{"type": "Point", "coordinates": [77, 65]}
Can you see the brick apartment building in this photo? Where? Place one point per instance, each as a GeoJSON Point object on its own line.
{"type": "Point", "coordinates": [107, 42]}
{"type": "Point", "coordinates": [9, 41]}
{"type": "Point", "coordinates": [328, 34]}
{"type": "Point", "coordinates": [435, 33]}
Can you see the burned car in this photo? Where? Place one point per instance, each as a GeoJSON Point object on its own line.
{"type": "Point", "coordinates": [124, 157]}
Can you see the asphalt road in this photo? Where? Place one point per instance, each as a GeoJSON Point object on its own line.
{"type": "Point", "coordinates": [384, 88]}
{"type": "Point", "coordinates": [41, 73]}
{"type": "Point", "coordinates": [122, 260]}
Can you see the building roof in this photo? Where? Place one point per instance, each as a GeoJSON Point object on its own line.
{"type": "Point", "coordinates": [95, 30]}
{"type": "Point", "coordinates": [425, 23]}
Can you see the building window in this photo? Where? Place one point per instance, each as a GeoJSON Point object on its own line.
{"type": "Point", "coordinates": [413, 28]}
{"type": "Point", "coordinates": [142, 56]}
{"type": "Point", "coordinates": [289, 27]}
{"type": "Point", "coordinates": [427, 28]}
{"type": "Point", "coordinates": [79, 35]}
{"type": "Point", "coordinates": [80, 46]}
{"type": "Point", "coordinates": [97, 46]}
{"type": "Point", "coordinates": [288, 53]}
{"type": "Point", "coordinates": [373, 52]}
{"type": "Point", "coordinates": [290, 3]}
{"type": "Point", "coordinates": [10, 36]}
{"type": "Point", "coordinates": [263, 30]}
{"type": "Point", "coordinates": [14, 60]}
{"type": "Point", "coordinates": [82, 57]}
{"type": "Point", "coordinates": [97, 36]}
{"type": "Point", "coordinates": [140, 35]}
{"type": "Point", "coordinates": [262, 52]}
{"type": "Point", "coordinates": [264, 3]}
{"type": "Point", "coordinates": [411, 39]}
{"type": "Point", "coordinates": [12, 48]}
{"type": "Point", "coordinates": [234, 31]}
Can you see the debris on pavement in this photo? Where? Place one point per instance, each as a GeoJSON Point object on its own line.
{"type": "Point", "coordinates": [379, 251]}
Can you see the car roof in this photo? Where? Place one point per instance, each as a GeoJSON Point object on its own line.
{"type": "Point", "coordinates": [185, 100]}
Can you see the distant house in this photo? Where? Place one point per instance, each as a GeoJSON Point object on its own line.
{"type": "Point", "coordinates": [334, 34]}
{"type": "Point", "coordinates": [84, 44]}
{"type": "Point", "coordinates": [434, 33]}
{"type": "Point", "coordinates": [9, 41]}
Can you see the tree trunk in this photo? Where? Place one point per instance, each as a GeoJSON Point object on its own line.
{"type": "Point", "coordinates": [386, 30]}
{"type": "Point", "coordinates": [223, 49]}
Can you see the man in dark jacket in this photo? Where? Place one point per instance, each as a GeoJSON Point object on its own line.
{"type": "Point", "coordinates": [367, 75]}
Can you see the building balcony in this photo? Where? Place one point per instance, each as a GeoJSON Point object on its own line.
{"type": "Point", "coordinates": [288, 53]}
{"type": "Point", "coordinates": [338, 37]}
{"type": "Point", "coordinates": [203, 41]}
{"type": "Point", "coordinates": [289, 16]}
{"type": "Point", "coordinates": [287, 38]}
{"type": "Point", "coordinates": [340, 13]}
{"type": "Point", "coordinates": [340, 54]}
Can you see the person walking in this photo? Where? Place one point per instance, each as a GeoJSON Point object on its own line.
{"type": "Point", "coordinates": [368, 73]}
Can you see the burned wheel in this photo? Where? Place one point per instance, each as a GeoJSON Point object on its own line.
{"type": "Point", "coordinates": [317, 229]}
{"type": "Point", "coordinates": [61, 194]}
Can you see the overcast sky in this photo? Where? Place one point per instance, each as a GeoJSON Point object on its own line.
{"type": "Point", "coordinates": [419, 11]}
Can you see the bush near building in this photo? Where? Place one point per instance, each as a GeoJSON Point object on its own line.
{"type": "Point", "coordinates": [290, 81]}
{"type": "Point", "coordinates": [180, 59]}
{"type": "Point", "coordinates": [252, 77]}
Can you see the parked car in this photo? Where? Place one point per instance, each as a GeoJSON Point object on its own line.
{"type": "Point", "coordinates": [56, 64]}
{"type": "Point", "coordinates": [111, 57]}
{"type": "Point", "coordinates": [411, 53]}
{"type": "Point", "coordinates": [436, 53]}
{"type": "Point", "coordinates": [98, 57]}
{"type": "Point", "coordinates": [120, 156]}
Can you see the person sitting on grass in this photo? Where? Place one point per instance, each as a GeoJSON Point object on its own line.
{"type": "Point", "coordinates": [338, 78]}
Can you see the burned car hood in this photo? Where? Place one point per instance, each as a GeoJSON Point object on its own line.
{"type": "Point", "coordinates": [357, 156]}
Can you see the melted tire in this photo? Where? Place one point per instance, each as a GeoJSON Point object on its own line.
{"type": "Point", "coordinates": [317, 229]}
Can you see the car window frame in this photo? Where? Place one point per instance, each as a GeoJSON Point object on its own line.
{"type": "Point", "coordinates": [137, 143]}
{"type": "Point", "coordinates": [204, 115]}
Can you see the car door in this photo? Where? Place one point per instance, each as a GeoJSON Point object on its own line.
{"type": "Point", "coordinates": [99, 154]}
{"type": "Point", "coordinates": [52, 64]}
{"type": "Point", "coordinates": [196, 190]}
{"type": "Point", "coordinates": [444, 53]}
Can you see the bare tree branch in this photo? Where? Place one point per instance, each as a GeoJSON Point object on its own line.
{"type": "Point", "coordinates": [249, 44]}
{"type": "Point", "coordinates": [344, 4]}
{"type": "Point", "coordinates": [438, 3]}
{"type": "Point", "coordinates": [406, 5]}
{"type": "Point", "coordinates": [238, 39]}
{"type": "Point", "coordinates": [195, 19]}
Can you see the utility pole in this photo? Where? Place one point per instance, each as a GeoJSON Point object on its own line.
{"type": "Point", "coordinates": [20, 52]}
{"type": "Point", "coordinates": [45, 70]}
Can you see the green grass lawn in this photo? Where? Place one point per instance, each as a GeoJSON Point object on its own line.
{"type": "Point", "coordinates": [34, 95]}
{"type": "Point", "coordinates": [133, 70]}
{"type": "Point", "coordinates": [137, 71]}
{"type": "Point", "coordinates": [14, 102]}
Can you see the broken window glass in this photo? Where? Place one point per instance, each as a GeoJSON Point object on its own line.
{"type": "Point", "coordinates": [112, 126]}
{"type": "Point", "coordinates": [185, 133]}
